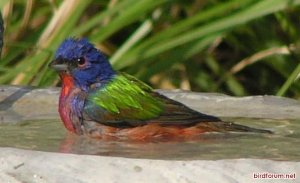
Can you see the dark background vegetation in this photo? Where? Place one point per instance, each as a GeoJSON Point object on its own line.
{"type": "Point", "coordinates": [235, 47]}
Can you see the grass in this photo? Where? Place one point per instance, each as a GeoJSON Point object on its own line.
{"type": "Point", "coordinates": [235, 47]}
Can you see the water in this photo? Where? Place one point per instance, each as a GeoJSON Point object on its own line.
{"type": "Point", "coordinates": [51, 136]}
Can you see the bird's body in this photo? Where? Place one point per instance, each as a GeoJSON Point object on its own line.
{"type": "Point", "coordinates": [99, 102]}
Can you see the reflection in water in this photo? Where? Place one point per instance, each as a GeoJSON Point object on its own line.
{"type": "Point", "coordinates": [151, 149]}
{"type": "Point", "coordinates": [51, 136]}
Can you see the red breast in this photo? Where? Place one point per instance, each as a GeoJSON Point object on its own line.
{"type": "Point", "coordinates": [65, 106]}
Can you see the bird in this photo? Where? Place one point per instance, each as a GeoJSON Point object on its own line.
{"type": "Point", "coordinates": [99, 102]}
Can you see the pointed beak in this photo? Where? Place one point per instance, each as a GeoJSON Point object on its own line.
{"type": "Point", "coordinates": [58, 65]}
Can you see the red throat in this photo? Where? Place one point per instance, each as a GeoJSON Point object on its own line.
{"type": "Point", "coordinates": [65, 106]}
{"type": "Point", "coordinates": [67, 84]}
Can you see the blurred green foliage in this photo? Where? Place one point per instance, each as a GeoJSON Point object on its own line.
{"type": "Point", "coordinates": [235, 47]}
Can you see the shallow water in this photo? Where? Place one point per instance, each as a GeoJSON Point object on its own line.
{"type": "Point", "coordinates": [52, 137]}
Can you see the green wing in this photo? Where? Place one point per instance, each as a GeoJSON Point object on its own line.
{"type": "Point", "coordinates": [127, 101]}
{"type": "Point", "coordinates": [123, 98]}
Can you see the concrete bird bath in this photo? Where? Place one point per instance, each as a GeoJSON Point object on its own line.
{"type": "Point", "coordinates": [35, 147]}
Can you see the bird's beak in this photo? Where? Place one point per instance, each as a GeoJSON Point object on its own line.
{"type": "Point", "coordinates": [58, 65]}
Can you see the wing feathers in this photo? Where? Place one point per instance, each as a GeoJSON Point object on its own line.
{"type": "Point", "coordinates": [126, 100]}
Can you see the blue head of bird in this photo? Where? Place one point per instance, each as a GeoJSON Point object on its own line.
{"type": "Point", "coordinates": [80, 59]}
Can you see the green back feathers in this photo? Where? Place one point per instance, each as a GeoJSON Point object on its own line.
{"type": "Point", "coordinates": [125, 97]}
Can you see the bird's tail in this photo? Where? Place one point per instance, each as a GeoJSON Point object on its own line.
{"type": "Point", "coordinates": [222, 126]}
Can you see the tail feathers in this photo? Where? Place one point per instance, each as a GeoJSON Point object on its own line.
{"type": "Point", "coordinates": [222, 126]}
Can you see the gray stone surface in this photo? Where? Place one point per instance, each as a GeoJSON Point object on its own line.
{"type": "Point", "coordinates": [250, 107]}
{"type": "Point", "coordinates": [21, 103]}
{"type": "Point", "coordinates": [18, 166]}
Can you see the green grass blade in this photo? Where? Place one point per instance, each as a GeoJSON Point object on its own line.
{"type": "Point", "coordinates": [133, 13]}
{"type": "Point", "coordinates": [289, 81]}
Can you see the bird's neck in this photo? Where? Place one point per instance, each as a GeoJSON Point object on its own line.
{"type": "Point", "coordinates": [65, 107]}
{"type": "Point", "coordinates": [99, 73]}
{"type": "Point", "coordinates": [67, 85]}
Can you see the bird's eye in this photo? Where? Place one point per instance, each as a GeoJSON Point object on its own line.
{"type": "Point", "coordinates": [80, 61]}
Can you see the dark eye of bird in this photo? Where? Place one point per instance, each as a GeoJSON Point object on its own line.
{"type": "Point", "coordinates": [80, 61]}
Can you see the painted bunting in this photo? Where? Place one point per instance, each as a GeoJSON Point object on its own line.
{"type": "Point", "coordinates": [100, 102]}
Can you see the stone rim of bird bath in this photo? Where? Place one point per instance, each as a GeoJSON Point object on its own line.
{"type": "Point", "coordinates": [16, 104]}
{"type": "Point", "coordinates": [33, 166]}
